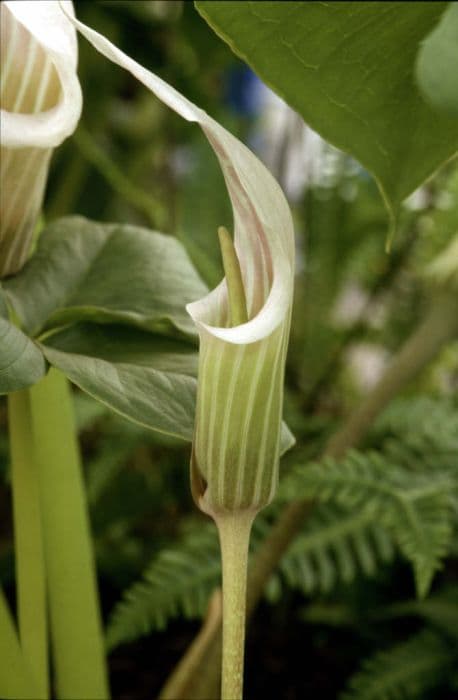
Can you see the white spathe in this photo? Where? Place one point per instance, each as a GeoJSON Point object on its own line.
{"type": "Point", "coordinates": [40, 106]}
{"type": "Point", "coordinates": [241, 369]}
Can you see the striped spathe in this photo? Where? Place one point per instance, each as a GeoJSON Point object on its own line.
{"type": "Point", "coordinates": [240, 385]}
{"type": "Point", "coordinates": [40, 102]}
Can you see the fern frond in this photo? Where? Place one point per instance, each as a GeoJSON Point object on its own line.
{"type": "Point", "coordinates": [178, 582]}
{"type": "Point", "coordinates": [371, 503]}
{"type": "Point", "coordinates": [420, 433]}
{"type": "Point", "coordinates": [404, 672]}
{"type": "Point", "coordinates": [423, 530]}
{"type": "Point", "coordinates": [440, 610]}
{"type": "Point", "coordinates": [435, 417]}
{"type": "Point", "coordinates": [336, 545]}
{"type": "Point", "coordinates": [416, 508]}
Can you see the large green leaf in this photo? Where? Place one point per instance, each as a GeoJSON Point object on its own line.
{"type": "Point", "coordinates": [109, 273]}
{"type": "Point", "coordinates": [437, 64]}
{"type": "Point", "coordinates": [21, 361]}
{"type": "Point", "coordinates": [143, 377]}
{"type": "Point", "coordinates": [348, 69]}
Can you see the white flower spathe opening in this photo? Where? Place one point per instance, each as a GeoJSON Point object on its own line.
{"type": "Point", "coordinates": [41, 97]}
{"type": "Point", "coordinates": [40, 105]}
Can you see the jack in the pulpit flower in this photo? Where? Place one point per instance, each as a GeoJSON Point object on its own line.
{"type": "Point", "coordinates": [40, 106]}
{"type": "Point", "coordinates": [237, 438]}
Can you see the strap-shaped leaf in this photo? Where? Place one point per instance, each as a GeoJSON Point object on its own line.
{"type": "Point", "coordinates": [111, 273]}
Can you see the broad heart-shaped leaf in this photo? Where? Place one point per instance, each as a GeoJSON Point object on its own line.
{"type": "Point", "coordinates": [21, 361]}
{"type": "Point", "coordinates": [109, 273]}
{"type": "Point", "coordinates": [146, 378]}
{"type": "Point", "coordinates": [348, 69]}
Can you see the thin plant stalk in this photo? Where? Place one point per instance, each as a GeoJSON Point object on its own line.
{"type": "Point", "coordinates": [76, 630]}
{"type": "Point", "coordinates": [234, 534]}
{"type": "Point", "coordinates": [28, 536]}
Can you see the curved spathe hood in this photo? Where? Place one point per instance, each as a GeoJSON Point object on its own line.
{"type": "Point", "coordinates": [263, 229]}
{"type": "Point", "coordinates": [236, 443]}
{"type": "Point", "coordinates": [40, 106]}
{"type": "Point", "coordinates": [39, 59]}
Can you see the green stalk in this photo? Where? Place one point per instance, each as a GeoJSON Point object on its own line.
{"type": "Point", "coordinates": [234, 535]}
{"type": "Point", "coordinates": [15, 677]}
{"type": "Point", "coordinates": [28, 536]}
{"type": "Point", "coordinates": [76, 631]}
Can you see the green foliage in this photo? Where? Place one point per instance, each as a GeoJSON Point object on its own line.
{"type": "Point", "coordinates": [141, 376]}
{"type": "Point", "coordinates": [420, 433]}
{"type": "Point", "coordinates": [368, 507]}
{"type": "Point", "coordinates": [145, 367]}
{"type": "Point", "coordinates": [341, 82]}
{"type": "Point", "coordinates": [21, 361]}
{"type": "Point", "coordinates": [404, 672]}
{"type": "Point", "coordinates": [177, 582]}
{"type": "Point", "coordinates": [439, 611]}
{"type": "Point", "coordinates": [333, 548]}
{"type": "Point", "coordinates": [437, 63]}
{"type": "Point", "coordinates": [415, 508]}
{"type": "Point", "coordinates": [80, 271]}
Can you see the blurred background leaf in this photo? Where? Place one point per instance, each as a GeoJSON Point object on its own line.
{"type": "Point", "coordinates": [341, 66]}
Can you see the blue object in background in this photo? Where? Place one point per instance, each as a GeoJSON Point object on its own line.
{"type": "Point", "coordinates": [243, 91]}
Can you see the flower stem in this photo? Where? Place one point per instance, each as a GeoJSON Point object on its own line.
{"type": "Point", "coordinates": [234, 534]}
{"type": "Point", "coordinates": [76, 630]}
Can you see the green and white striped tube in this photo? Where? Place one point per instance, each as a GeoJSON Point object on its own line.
{"type": "Point", "coordinates": [240, 385]}
{"type": "Point", "coordinates": [40, 106]}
